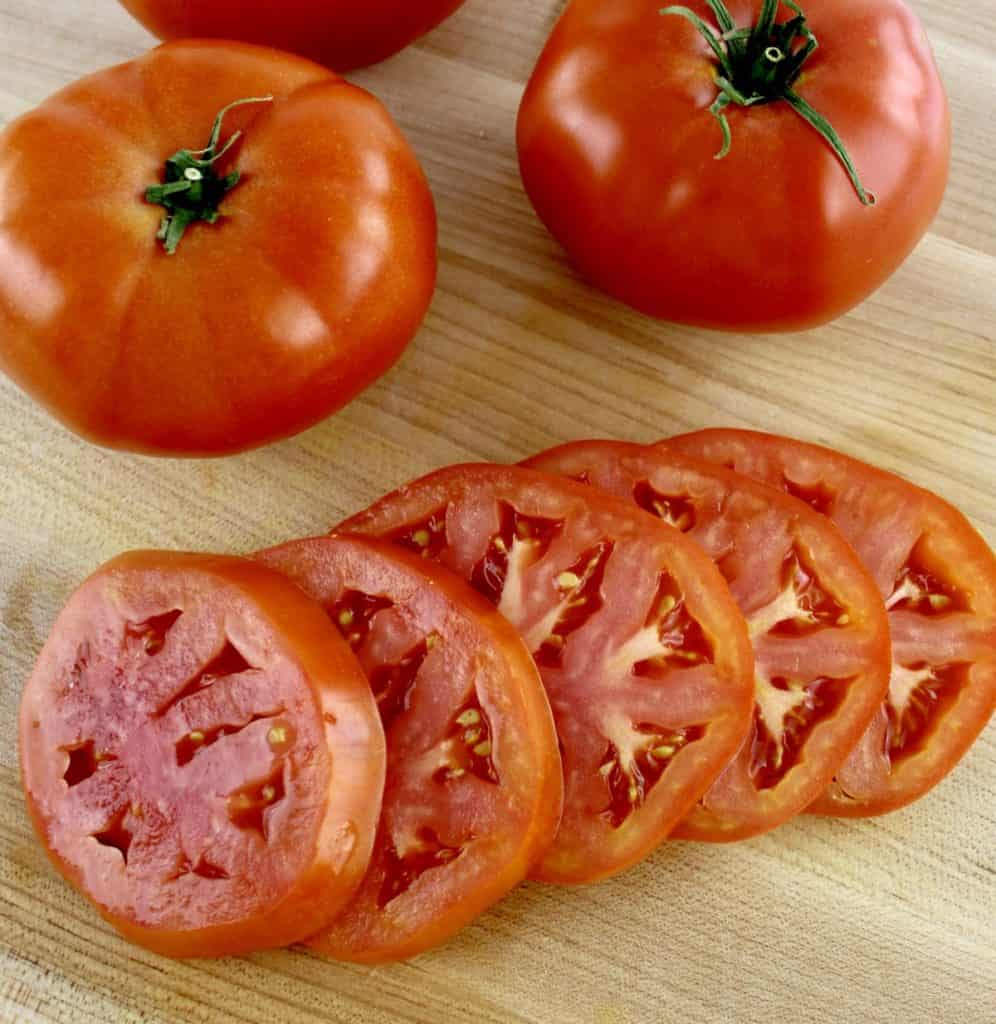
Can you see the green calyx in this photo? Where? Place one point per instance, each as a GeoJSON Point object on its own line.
{"type": "Point", "coordinates": [761, 65]}
{"type": "Point", "coordinates": [193, 189]}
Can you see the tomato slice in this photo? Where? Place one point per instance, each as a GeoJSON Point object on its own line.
{"type": "Point", "coordinates": [644, 655]}
{"type": "Point", "coordinates": [938, 579]}
{"type": "Point", "coordinates": [474, 784]}
{"type": "Point", "coordinates": [201, 754]}
{"type": "Point", "coordinates": [817, 622]}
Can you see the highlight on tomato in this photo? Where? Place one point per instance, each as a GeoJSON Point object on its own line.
{"type": "Point", "coordinates": [201, 754]}
{"type": "Point", "coordinates": [815, 617]}
{"type": "Point", "coordinates": [208, 248]}
{"type": "Point", "coordinates": [749, 165]}
{"type": "Point", "coordinates": [474, 787]}
{"type": "Point", "coordinates": [343, 34]}
{"type": "Point", "coordinates": [644, 655]}
{"type": "Point", "coordinates": [937, 577]}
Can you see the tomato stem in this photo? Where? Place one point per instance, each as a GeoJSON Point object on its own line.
{"type": "Point", "coordinates": [760, 65]}
{"type": "Point", "coordinates": [192, 189]}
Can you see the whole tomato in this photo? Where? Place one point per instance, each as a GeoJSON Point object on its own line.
{"type": "Point", "coordinates": [713, 165]}
{"type": "Point", "coordinates": [169, 299]}
{"type": "Point", "coordinates": [343, 34]}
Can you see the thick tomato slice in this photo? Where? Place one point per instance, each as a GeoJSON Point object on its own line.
{"type": "Point", "coordinates": [938, 579]}
{"type": "Point", "coordinates": [474, 783]}
{"type": "Point", "coordinates": [644, 655]}
{"type": "Point", "coordinates": [201, 754]}
{"type": "Point", "coordinates": [306, 286]}
{"type": "Point", "coordinates": [818, 624]}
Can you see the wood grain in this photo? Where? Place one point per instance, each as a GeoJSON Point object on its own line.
{"type": "Point", "coordinates": [822, 921]}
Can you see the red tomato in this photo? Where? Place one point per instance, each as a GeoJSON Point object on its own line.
{"type": "Point", "coordinates": [644, 655]}
{"type": "Point", "coordinates": [938, 578]}
{"type": "Point", "coordinates": [178, 739]}
{"type": "Point", "coordinates": [307, 288]}
{"type": "Point", "coordinates": [817, 622]}
{"type": "Point", "coordinates": [474, 784]}
{"type": "Point", "coordinates": [618, 154]}
{"type": "Point", "coordinates": [344, 34]}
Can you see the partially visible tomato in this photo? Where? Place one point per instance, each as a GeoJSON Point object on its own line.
{"type": "Point", "coordinates": [343, 34]}
{"type": "Point", "coordinates": [644, 655]}
{"type": "Point", "coordinates": [474, 785]}
{"type": "Point", "coordinates": [817, 622]}
{"type": "Point", "coordinates": [304, 254]}
{"type": "Point", "coordinates": [201, 754]}
{"type": "Point", "coordinates": [938, 579]}
{"type": "Point", "coordinates": [618, 153]}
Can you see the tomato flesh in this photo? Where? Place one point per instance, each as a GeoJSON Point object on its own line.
{"type": "Point", "coordinates": [642, 651]}
{"type": "Point", "coordinates": [178, 738]}
{"type": "Point", "coordinates": [474, 785]}
{"type": "Point", "coordinates": [818, 625]}
{"type": "Point", "coordinates": [937, 577]}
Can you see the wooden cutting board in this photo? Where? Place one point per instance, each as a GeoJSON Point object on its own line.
{"type": "Point", "coordinates": [884, 920]}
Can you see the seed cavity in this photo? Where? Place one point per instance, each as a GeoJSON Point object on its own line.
{"type": "Point", "coordinates": [198, 740]}
{"type": "Point", "coordinates": [401, 871]}
{"type": "Point", "coordinates": [426, 538]}
{"type": "Point", "coordinates": [153, 632]}
{"type": "Point", "coordinates": [635, 763]}
{"type": "Point", "coordinates": [248, 807]}
{"type": "Point", "coordinates": [468, 746]}
{"type": "Point", "coordinates": [582, 587]}
{"type": "Point", "coordinates": [675, 510]}
{"type": "Point", "coordinates": [117, 834]}
{"type": "Point", "coordinates": [228, 662]}
{"type": "Point", "coordinates": [353, 613]}
{"type": "Point", "coordinates": [84, 760]}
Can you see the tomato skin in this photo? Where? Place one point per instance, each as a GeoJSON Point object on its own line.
{"type": "Point", "coordinates": [893, 525]}
{"type": "Point", "coordinates": [501, 828]}
{"type": "Point", "coordinates": [307, 289]}
{"type": "Point", "coordinates": [343, 34]}
{"type": "Point", "coordinates": [94, 679]}
{"type": "Point", "coordinates": [754, 532]}
{"type": "Point", "coordinates": [615, 691]}
{"type": "Point", "coordinates": [617, 147]}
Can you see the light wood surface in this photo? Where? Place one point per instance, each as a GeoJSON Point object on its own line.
{"type": "Point", "coordinates": [884, 920]}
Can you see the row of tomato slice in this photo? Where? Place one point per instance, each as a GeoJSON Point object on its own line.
{"type": "Point", "coordinates": [495, 672]}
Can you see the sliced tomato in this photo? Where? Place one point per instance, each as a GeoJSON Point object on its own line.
{"type": "Point", "coordinates": [644, 655]}
{"type": "Point", "coordinates": [938, 579]}
{"type": "Point", "coordinates": [474, 784]}
{"type": "Point", "coordinates": [178, 739]}
{"type": "Point", "coordinates": [817, 622]}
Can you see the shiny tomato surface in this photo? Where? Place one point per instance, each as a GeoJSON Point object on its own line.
{"type": "Point", "coordinates": [618, 153]}
{"type": "Point", "coordinates": [645, 658]}
{"type": "Point", "coordinates": [343, 34]}
{"type": "Point", "coordinates": [201, 754]}
{"type": "Point", "coordinates": [308, 286]}
{"type": "Point", "coordinates": [938, 579]}
{"type": "Point", "coordinates": [474, 785]}
{"type": "Point", "coordinates": [815, 617]}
